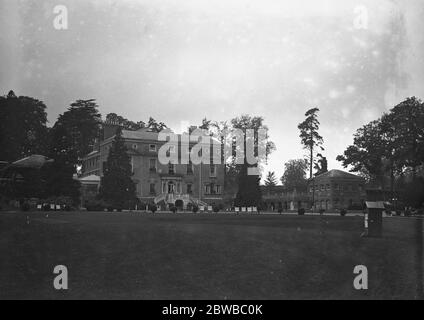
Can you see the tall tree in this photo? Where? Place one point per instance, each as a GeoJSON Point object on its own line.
{"type": "Point", "coordinates": [23, 129]}
{"type": "Point", "coordinates": [271, 180]}
{"type": "Point", "coordinates": [249, 193]}
{"type": "Point", "coordinates": [294, 176]}
{"type": "Point", "coordinates": [310, 137]}
{"type": "Point", "coordinates": [113, 118]}
{"type": "Point", "coordinates": [116, 186]}
{"type": "Point", "coordinates": [82, 122]}
{"type": "Point", "coordinates": [59, 175]}
{"type": "Point", "coordinates": [407, 121]}
{"type": "Point", "coordinates": [367, 153]}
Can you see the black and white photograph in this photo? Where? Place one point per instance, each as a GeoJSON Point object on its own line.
{"type": "Point", "coordinates": [211, 155]}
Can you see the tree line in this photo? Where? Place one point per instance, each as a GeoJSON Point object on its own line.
{"type": "Point", "coordinates": [387, 152]}
{"type": "Point", "coordinates": [390, 150]}
{"type": "Point", "coordinates": [24, 131]}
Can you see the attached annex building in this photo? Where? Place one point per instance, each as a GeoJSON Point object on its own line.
{"type": "Point", "coordinates": [333, 190]}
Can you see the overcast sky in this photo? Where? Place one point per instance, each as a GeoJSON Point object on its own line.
{"type": "Point", "coordinates": [183, 60]}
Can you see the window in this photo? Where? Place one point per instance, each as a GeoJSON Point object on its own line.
{"type": "Point", "coordinates": [336, 187]}
{"type": "Point", "coordinates": [328, 187]}
{"type": "Point", "coordinates": [152, 165]}
{"type": "Point", "coordinates": [171, 168]}
{"type": "Point", "coordinates": [213, 170]}
{"type": "Point", "coordinates": [152, 189]}
{"type": "Point", "coordinates": [207, 189]}
{"type": "Point", "coordinates": [189, 188]}
{"type": "Point", "coordinates": [152, 148]}
{"type": "Point", "coordinates": [134, 146]}
{"type": "Point", "coordinates": [218, 189]}
{"type": "Point", "coordinates": [322, 187]}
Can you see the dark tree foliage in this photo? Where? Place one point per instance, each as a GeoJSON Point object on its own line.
{"type": "Point", "coordinates": [309, 135]}
{"type": "Point", "coordinates": [366, 153]}
{"type": "Point", "coordinates": [392, 146]}
{"type": "Point", "coordinates": [155, 126]}
{"type": "Point", "coordinates": [407, 120]}
{"type": "Point", "coordinates": [413, 193]}
{"type": "Point", "coordinates": [23, 128]}
{"type": "Point", "coordinates": [82, 124]}
{"type": "Point", "coordinates": [117, 186]}
{"type": "Point", "coordinates": [294, 177]}
{"type": "Point", "coordinates": [59, 175]}
{"type": "Point", "coordinates": [321, 166]}
{"type": "Point", "coordinates": [113, 118]}
{"type": "Point", "coordinates": [206, 124]}
{"type": "Point", "coordinates": [249, 193]}
{"type": "Point", "coordinates": [271, 179]}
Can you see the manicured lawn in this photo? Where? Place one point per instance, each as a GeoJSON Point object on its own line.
{"type": "Point", "coordinates": [204, 256]}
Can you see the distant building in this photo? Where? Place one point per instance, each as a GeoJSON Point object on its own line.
{"type": "Point", "coordinates": [163, 184]}
{"type": "Point", "coordinates": [277, 197]}
{"type": "Point", "coordinates": [24, 178]}
{"type": "Point", "coordinates": [337, 189]}
{"type": "Point", "coordinates": [334, 190]}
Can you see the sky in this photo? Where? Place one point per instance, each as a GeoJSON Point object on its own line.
{"type": "Point", "coordinates": [182, 60]}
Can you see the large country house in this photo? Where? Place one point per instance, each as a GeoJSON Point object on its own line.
{"type": "Point", "coordinates": [163, 184]}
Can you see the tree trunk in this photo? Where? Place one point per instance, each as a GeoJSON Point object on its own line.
{"type": "Point", "coordinates": [311, 162]}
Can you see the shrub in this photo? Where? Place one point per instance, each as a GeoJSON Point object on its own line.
{"type": "Point", "coordinates": [215, 209]}
{"type": "Point", "coordinates": [321, 211]}
{"type": "Point", "coordinates": [173, 209]}
{"type": "Point", "coordinates": [96, 205]}
{"type": "Point", "coordinates": [153, 208]}
{"type": "Point", "coordinates": [25, 206]}
{"type": "Point", "coordinates": [301, 212]}
{"type": "Point", "coordinates": [195, 209]}
{"type": "Point", "coordinates": [280, 210]}
{"type": "Point", "coordinates": [343, 212]}
{"type": "Point", "coordinates": [356, 207]}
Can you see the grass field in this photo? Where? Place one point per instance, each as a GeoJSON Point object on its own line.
{"type": "Point", "coordinates": [204, 256]}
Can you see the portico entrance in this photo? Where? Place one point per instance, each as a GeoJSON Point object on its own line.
{"type": "Point", "coordinates": [171, 187]}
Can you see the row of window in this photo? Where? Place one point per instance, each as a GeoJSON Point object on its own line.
{"type": "Point", "coordinates": [336, 202]}
{"type": "Point", "coordinates": [172, 168]}
{"type": "Point", "coordinates": [336, 187]}
{"type": "Point", "coordinates": [152, 147]}
{"type": "Point", "coordinates": [172, 150]}
{"type": "Point", "coordinates": [209, 189]}
{"type": "Point", "coordinates": [91, 163]}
